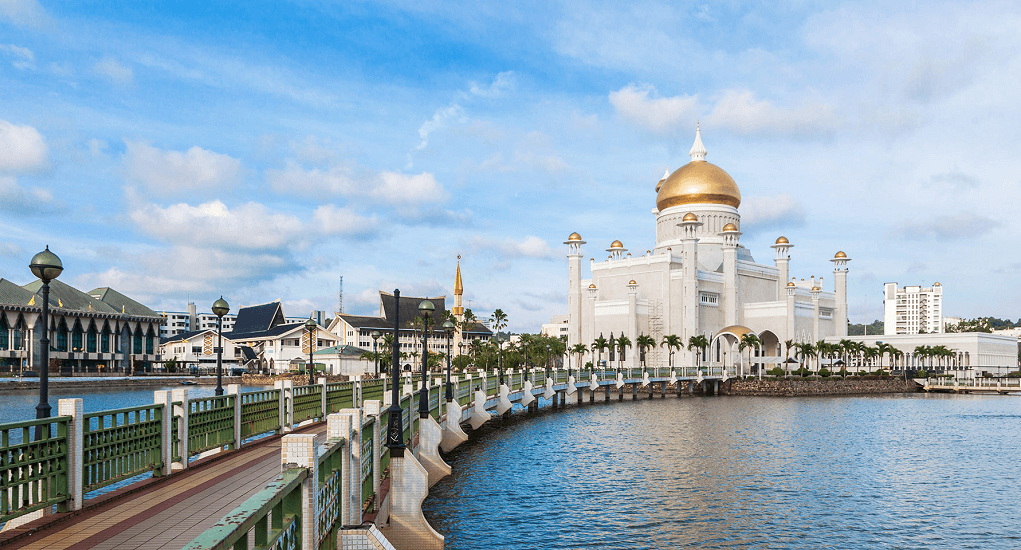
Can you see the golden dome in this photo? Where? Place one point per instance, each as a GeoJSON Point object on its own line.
{"type": "Point", "coordinates": [690, 217]}
{"type": "Point", "coordinates": [840, 254]}
{"type": "Point", "coordinates": [791, 284]}
{"type": "Point", "coordinates": [616, 244]}
{"type": "Point", "coordinates": [698, 182]}
{"type": "Point", "coordinates": [816, 288]}
{"type": "Point", "coordinates": [633, 282]}
{"type": "Point", "coordinates": [730, 227]}
{"type": "Point", "coordinates": [574, 237]}
{"type": "Point", "coordinates": [937, 284]}
{"type": "Point", "coordinates": [593, 285]}
{"type": "Point", "coordinates": [782, 240]}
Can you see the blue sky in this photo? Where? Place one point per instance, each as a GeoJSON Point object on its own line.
{"type": "Point", "coordinates": [185, 151]}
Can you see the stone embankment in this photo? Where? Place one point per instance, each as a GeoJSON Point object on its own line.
{"type": "Point", "coordinates": [797, 387]}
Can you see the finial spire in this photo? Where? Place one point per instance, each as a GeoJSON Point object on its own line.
{"type": "Point", "coordinates": [458, 287]}
{"type": "Point", "coordinates": [698, 151]}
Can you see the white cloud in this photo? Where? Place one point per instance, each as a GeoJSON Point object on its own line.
{"type": "Point", "coordinates": [31, 201]}
{"type": "Point", "coordinates": [250, 226]}
{"type": "Point", "coordinates": [529, 247]}
{"type": "Point", "coordinates": [660, 115]}
{"type": "Point", "coordinates": [22, 149]}
{"type": "Point", "coordinates": [23, 57]}
{"type": "Point", "coordinates": [743, 113]}
{"type": "Point", "coordinates": [329, 219]}
{"type": "Point", "coordinates": [503, 82]}
{"type": "Point", "coordinates": [385, 187]}
{"type": "Point", "coordinates": [536, 152]}
{"type": "Point", "coordinates": [25, 13]}
{"type": "Point", "coordinates": [440, 119]}
{"type": "Point", "coordinates": [169, 172]}
{"type": "Point", "coordinates": [110, 68]}
{"type": "Point", "coordinates": [758, 213]}
{"type": "Point", "coordinates": [961, 226]}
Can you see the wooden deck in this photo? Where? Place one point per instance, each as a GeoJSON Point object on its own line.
{"type": "Point", "coordinates": [169, 514]}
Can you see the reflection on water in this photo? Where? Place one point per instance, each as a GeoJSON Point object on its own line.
{"type": "Point", "coordinates": [906, 471]}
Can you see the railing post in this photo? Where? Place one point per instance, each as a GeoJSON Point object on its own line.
{"type": "Point", "coordinates": [353, 468]}
{"type": "Point", "coordinates": [181, 417]}
{"type": "Point", "coordinates": [356, 392]}
{"type": "Point", "coordinates": [166, 444]}
{"type": "Point", "coordinates": [73, 408]}
{"type": "Point", "coordinates": [373, 408]}
{"type": "Point", "coordinates": [286, 404]}
{"type": "Point", "coordinates": [322, 383]}
{"type": "Point", "coordinates": [300, 450]}
{"type": "Point", "coordinates": [235, 390]}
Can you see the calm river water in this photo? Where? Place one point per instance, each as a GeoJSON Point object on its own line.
{"type": "Point", "coordinates": [903, 471]}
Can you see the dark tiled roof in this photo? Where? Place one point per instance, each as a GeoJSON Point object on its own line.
{"type": "Point", "coordinates": [67, 297]}
{"type": "Point", "coordinates": [185, 336]}
{"type": "Point", "coordinates": [358, 321]}
{"type": "Point", "coordinates": [248, 353]}
{"type": "Point", "coordinates": [121, 302]}
{"type": "Point", "coordinates": [269, 333]}
{"type": "Point", "coordinates": [258, 318]}
{"type": "Point", "coordinates": [409, 307]}
{"type": "Point", "coordinates": [11, 293]}
{"type": "Point", "coordinates": [479, 328]}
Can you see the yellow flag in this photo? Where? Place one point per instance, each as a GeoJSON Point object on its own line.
{"type": "Point", "coordinates": [32, 301]}
{"type": "Point", "coordinates": [59, 303]}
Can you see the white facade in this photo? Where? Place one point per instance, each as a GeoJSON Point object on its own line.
{"type": "Point", "coordinates": [180, 322]}
{"type": "Point", "coordinates": [912, 309]}
{"type": "Point", "coordinates": [557, 327]}
{"type": "Point", "coordinates": [974, 353]}
{"type": "Point", "coordinates": [697, 279]}
{"type": "Point", "coordinates": [199, 350]}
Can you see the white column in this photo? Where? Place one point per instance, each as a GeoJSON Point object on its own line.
{"type": "Point", "coordinates": [164, 397]}
{"type": "Point", "coordinates": [235, 390]}
{"type": "Point", "coordinates": [322, 383]}
{"type": "Point", "coordinates": [73, 408]}
{"type": "Point", "coordinates": [300, 450]}
{"type": "Point", "coordinates": [181, 416]}
{"type": "Point", "coordinates": [286, 404]}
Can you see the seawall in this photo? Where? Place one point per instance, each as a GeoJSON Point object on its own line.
{"type": "Point", "coordinates": [796, 387]}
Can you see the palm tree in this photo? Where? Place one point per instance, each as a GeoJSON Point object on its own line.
{"type": "Point", "coordinates": [749, 341]}
{"type": "Point", "coordinates": [644, 342]}
{"type": "Point", "coordinates": [579, 350]}
{"type": "Point", "coordinates": [788, 344]}
{"type": "Point", "coordinates": [623, 343]}
{"type": "Point", "coordinates": [599, 345]}
{"type": "Point", "coordinates": [499, 322]}
{"type": "Point", "coordinates": [672, 342]}
{"type": "Point", "coordinates": [700, 343]}
{"type": "Point", "coordinates": [804, 350]}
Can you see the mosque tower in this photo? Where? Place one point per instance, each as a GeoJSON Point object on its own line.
{"type": "Point", "coordinates": [458, 310]}
{"type": "Point", "coordinates": [574, 243]}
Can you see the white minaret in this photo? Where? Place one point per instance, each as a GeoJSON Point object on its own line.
{"type": "Point", "coordinates": [783, 263]}
{"type": "Point", "coordinates": [731, 236]}
{"type": "Point", "coordinates": [632, 319]}
{"type": "Point", "coordinates": [840, 288]}
{"type": "Point", "coordinates": [574, 243]}
{"type": "Point", "coordinates": [689, 275]}
{"type": "Point", "coordinates": [791, 328]}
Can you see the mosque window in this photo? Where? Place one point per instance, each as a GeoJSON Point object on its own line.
{"type": "Point", "coordinates": [710, 298]}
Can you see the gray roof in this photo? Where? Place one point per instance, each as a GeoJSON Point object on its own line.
{"type": "Point", "coordinates": [120, 302]}
{"type": "Point", "coordinates": [344, 350]}
{"type": "Point", "coordinates": [259, 318]}
{"type": "Point", "coordinates": [65, 296]}
{"type": "Point", "coordinates": [11, 293]}
{"type": "Point", "coordinates": [408, 308]}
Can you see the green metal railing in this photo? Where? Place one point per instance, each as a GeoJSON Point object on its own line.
{"type": "Point", "coordinates": [339, 396]}
{"type": "Point", "coordinates": [367, 442]}
{"type": "Point", "coordinates": [33, 472]}
{"type": "Point", "coordinates": [373, 389]}
{"type": "Point", "coordinates": [121, 443]}
{"type": "Point", "coordinates": [273, 515]}
{"type": "Point", "coordinates": [308, 402]}
{"type": "Point", "coordinates": [260, 412]}
{"type": "Point", "coordinates": [175, 435]}
{"type": "Point", "coordinates": [210, 423]}
{"type": "Point", "coordinates": [328, 499]}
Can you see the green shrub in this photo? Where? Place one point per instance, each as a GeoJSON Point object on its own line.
{"type": "Point", "coordinates": [921, 374]}
{"type": "Point", "coordinates": [842, 372]}
{"type": "Point", "coordinates": [860, 373]}
{"type": "Point", "coordinates": [881, 372]}
{"type": "Point", "coordinates": [824, 372]}
{"type": "Point", "coordinates": [775, 371]}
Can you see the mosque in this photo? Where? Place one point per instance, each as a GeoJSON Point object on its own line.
{"type": "Point", "coordinates": [699, 280]}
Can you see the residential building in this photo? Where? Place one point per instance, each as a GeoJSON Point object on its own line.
{"type": "Point", "coordinates": [197, 349]}
{"type": "Point", "coordinates": [278, 345]}
{"type": "Point", "coordinates": [180, 322]}
{"type": "Point", "coordinates": [912, 309]}
{"type": "Point", "coordinates": [557, 327]}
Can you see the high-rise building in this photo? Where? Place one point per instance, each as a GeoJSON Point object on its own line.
{"type": "Point", "coordinates": [912, 309]}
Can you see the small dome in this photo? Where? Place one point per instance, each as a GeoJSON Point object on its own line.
{"type": "Point", "coordinates": [633, 282]}
{"type": "Point", "coordinates": [840, 254]}
{"type": "Point", "coordinates": [782, 240]}
{"type": "Point", "coordinates": [790, 284]}
{"type": "Point", "coordinates": [616, 244]}
{"type": "Point", "coordinates": [574, 237]}
{"type": "Point", "coordinates": [593, 285]}
{"type": "Point", "coordinates": [730, 227]}
{"type": "Point", "coordinates": [937, 284]}
{"type": "Point", "coordinates": [815, 288]}
{"type": "Point", "coordinates": [690, 217]}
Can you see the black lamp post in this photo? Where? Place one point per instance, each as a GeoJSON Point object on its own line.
{"type": "Point", "coordinates": [549, 359]}
{"type": "Point", "coordinates": [375, 355]}
{"type": "Point", "coordinates": [395, 417]}
{"type": "Point", "coordinates": [448, 328]}
{"type": "Point", "coordinates": [220, 308]}
{"type": "Point", "coordinates": [310, 325]}
{"type": "Point", "coordinates": [45, 265]}
{"type": "Point", "coordinates": [425, 309]}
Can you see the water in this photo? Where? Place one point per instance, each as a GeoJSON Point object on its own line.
{"type": "Point", "coordinates": [904, 471]}
{"type": "Point", "coordinates": [19, 405]}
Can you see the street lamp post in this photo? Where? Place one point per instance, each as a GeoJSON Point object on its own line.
{"type": "Point", "coordinates": [375, 354]}
{"type": "Point", "coordinates": [45, 265]}
{"type": "Point", "coordinates": [549, 359]}
{"type": "Point", "coordinates": [220, 308]}
{"type": "Point", "coordinates": [395, 417]}
{"type": "Point", "coordinates": [425, 309]}
{"type": "Point", "coordinates": [310, 325]}
{"type": "Point", "coordinates": [448, 328]}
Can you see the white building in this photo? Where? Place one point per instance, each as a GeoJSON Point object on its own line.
{"type": "Point", "coordinates": [180, 322]}
{"type": "Point", "coordinates": [275, 342]}
{"type": "Point", "coordinates": [557, 326]}
{"type": "Point", "coordinates": [974, 354]}
{"type": "Point", "coordinates": [198, 349]}
{"type": "Point", "coordinates": [912, 309]}
{"type": "Point", "coordinates": [697, 279]}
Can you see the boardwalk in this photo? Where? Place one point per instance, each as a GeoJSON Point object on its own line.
{"type": "Point", "coordinates": [172, 514]}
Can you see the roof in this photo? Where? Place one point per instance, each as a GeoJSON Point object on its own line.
{"type": "Point", "coordinates": [184, 336]}
{"type": "Point", "coordinates": [11, 293]}
{"type": "Point", "coordinates": [343, 350]}
{"type": "Point", "coordinates": [360, 321]}
{"type": "Point", "coordinates": [268, 333]}
{"type": "Point", "coordinates": [258, 318]}
{"type": "Point", "coordinates": [248, 353]}
{"type": "Point", "coordinates": [121, 302]}
{"type": "Point", "coordinates": [65, 296]}
{"type": "Point", "coordinates": [409, 307]}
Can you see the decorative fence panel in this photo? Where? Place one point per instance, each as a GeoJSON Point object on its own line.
{"type": "Point", "coordinates": [340, 396]}
{"type": "Point", "coordinates": [260, 412]}
{"type": "Point", "coordinates": [384, 452]}
{"type": "Point", "coordinates": [328, 500]}
{"type": "Point", "coordinates": [373, 389]}
{"type": "Point", "coordinates": [366, 465]}
{"type": "Point", "coordinates": [210, 423]}
{"type": "Point", "coordinates": [121, 443]}
{"type": "Point", "coordinates": [308, 402]}
{"type": "Point", "coordinates": [175, 435]}
{"type": "Point", "coordinates": [33, 471]}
